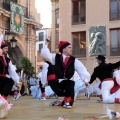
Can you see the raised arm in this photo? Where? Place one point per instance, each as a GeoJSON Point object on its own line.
{"type": "Point", "coordinates": [82, 71]}
{"type": "Point", "coordinates": [45, 53]}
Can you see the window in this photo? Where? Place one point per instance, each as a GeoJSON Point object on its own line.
{"type": "Point", "coordinates": [6, 5]}
{"type": "Point", "coordinates": [14, 1]}
{"type": "Point", "coordinates": [57, 18]}
{"type": "Point", "coordinates": [79, 44]}
{"type": "Point", "coordinates": [25, 29]}
{"type": "Point", "coordinates": [6, 23]}
{"type": "Point", "coordinates": [41, 36]}
{"type": "Point", "coordinates": [114, 9]}
{"type": "Point", "coordinates": [25, 12]}
{"type": "Point", "coordinates": [40, 47]}
{"type": "Point", "coordinates": [79, 11]}
{"type": "Point", "coordinates": [57, 39]}
{"type": "Point", "coordinates": [115, 42]}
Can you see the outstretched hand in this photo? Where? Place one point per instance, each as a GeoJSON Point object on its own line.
{"type": "Point", "coordinates": [47, 41]}
{"type": "Point", "coordinates": [87, 85]}
{"type": "Point", "coordinates": [43, 86]}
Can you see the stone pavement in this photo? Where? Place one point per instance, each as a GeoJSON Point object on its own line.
{"type": "Point", "coordinates": [27, 108]}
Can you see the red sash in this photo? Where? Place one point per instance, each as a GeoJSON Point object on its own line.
{"type": "Point", "coordinates": [3, 75]}
{"type": "Point", "coordinates": [107, 79]}
{"type": "Point", "coordinates": [51, 77]}
{"type": "Point", "coordinates": [115, 87]}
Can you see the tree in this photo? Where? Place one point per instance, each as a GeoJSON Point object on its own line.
{"type": "Point", "coordinates": [28, 69]}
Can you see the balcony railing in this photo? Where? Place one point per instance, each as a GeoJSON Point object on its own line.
{"type": "Point", "coordinates": [6, 6]}
{"type": "Point", "coordinates": [114, 51]}
{"type": "Point", "coordinates": [78, 19]}
{"type": "Point", "coordinates": [115, 15]}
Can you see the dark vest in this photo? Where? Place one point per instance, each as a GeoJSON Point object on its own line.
{"type": "Point", "coordinates": [51, 68]}
{"type": "Point", "coordinates": [3, 68]}
{"type": "Point", "coordinates": [63, 71]}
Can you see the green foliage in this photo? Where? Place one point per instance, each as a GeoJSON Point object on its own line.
{"type": "Point", "coordinates": [14, 62]}
{"type": "Point", "coordinates": [28, 69]}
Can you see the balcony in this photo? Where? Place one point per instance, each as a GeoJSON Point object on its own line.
{"type": "Point", "coordinates": [78, 19]}
{"type": "Point", "coordinates": [114, 15]}
{"type": "Point", "coordinates": [6, 6]}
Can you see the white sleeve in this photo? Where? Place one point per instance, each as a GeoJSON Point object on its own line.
{"type": "Point", "coordinates": [117, 75]}
{"type": "Point", "coordinates": [76, 76]}
{"type": "Point", "coordinates": [44, 73]}
{"type": "Point", "coordinates": [1, 39]}
{"type": "Point", "coordinates": [12, 72]}
{"type": "Point", "coordinates": [45, 53]}
{"type": "Point", "coordinates": [39, 76]}
{"type": "Point", "coordinates": [82, 71]}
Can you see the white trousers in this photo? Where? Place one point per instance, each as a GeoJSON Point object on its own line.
{"type": "Point", "coordinates": [106, 95]}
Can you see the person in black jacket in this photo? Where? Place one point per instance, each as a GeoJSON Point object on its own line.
{"type": "Point", "coordinates": [104, 72]}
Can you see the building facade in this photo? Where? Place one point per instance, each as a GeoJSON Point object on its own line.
{"type": "Point", "coordinates": [55, 25]}
{"type": "Point", "coordinates": [79, 21]}
{"type": "Point", "coordinates": [26, 41]}
{"type": "Point", "coordinates": [42, 36]}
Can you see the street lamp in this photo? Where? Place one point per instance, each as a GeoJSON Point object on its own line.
{"type": "Point", "coordinates": [13, 42]}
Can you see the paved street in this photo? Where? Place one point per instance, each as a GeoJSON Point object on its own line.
{"type": "Point", "coordinates": [27, 108]}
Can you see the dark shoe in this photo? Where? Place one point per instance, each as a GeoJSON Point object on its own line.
{"type": "Point", "coordinates": [100, 101]}
{"type": "Point", "coordinates": [24, 94]}
{"type": "Point", "coordinates": [88, 96]}
{"type": "Point", "coordinates": [56, 103]}
{"type": "Point", "coordinates": [55, 96]}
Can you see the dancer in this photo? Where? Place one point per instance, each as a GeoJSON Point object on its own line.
{"type": "Point", "coordinates": [7, 75]}
{"type": "Point", "coordinates": [60, 79]}
{"type": "Point", "coordinates": [43, 96]}
{"type": "Point", "coordinates": [104, 72]}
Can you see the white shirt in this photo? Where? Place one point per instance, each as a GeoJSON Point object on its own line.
{"type": "Point", "coordinates": [1, 38]}
{"type": "Point", "coordinates": [11, 67]}
{"type": "Point", "coordinates": [76, 76]}
{"type": "Point", "coordinates": [44, 73]}
{"type": "Point", "coordinates": [79, 67]}
{"type": "Point", "coordinates": [12, 72]}
{"type": "Point", "coordinates": [117, 75]}
{"type": "Point", "coordinates": [39, 76]}
{"type": "Point", "coordinates": [32, 81]}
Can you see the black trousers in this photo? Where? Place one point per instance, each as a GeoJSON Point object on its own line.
{"type": "Point", "coordinates": [42, 89]}
{"type": "Point", "coordinates": [64, 88]}
{"type": "Point", "coordinates": [6, 85]}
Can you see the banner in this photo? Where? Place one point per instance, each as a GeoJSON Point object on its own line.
{"type": "Point", "coordinates": [16, 18]}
